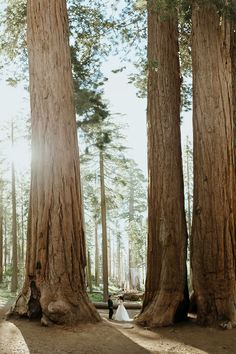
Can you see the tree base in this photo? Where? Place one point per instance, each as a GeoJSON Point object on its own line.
{"type": "Point", "coordinates": [165, 310]}
{"type": "Point", "coordinates": [35, 304]}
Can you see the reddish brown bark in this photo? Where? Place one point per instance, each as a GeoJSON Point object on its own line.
{"type": "Point", "coordinates": [166, 296]}
{"type": "Point", "coordinates": [56, 255]}
{"type": "Point", "coordinates": [213, 233]}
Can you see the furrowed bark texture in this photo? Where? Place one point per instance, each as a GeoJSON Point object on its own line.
{"type": "Point", "coordinates": [56, 255]}
{"type": "Point", "coordinates": [213, 233]}
{"type": "Point", "coordinates": [166, 295]}
{"type": "Point", "coordinates": [233, 70]}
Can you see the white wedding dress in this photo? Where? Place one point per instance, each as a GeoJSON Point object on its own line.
{"type": "Point", "coordinates": [121, 313]}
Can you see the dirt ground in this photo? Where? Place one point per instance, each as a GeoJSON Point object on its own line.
{"type": "Point", "coordinates": [24, 337]}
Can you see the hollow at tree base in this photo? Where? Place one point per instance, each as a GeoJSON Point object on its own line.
{"type": "Point", "coordinates": [58, 311]}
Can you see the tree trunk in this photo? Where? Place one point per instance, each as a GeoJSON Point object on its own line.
{"type": "Point", "coordinates": [119, 259]}
{"type": "Point", "coordinates": [114, 259]}
{"type": "Point", "coordinates": [233, 70]}
{"type": "Point", "coordinates": [104, 229]}
{"type": "Point", "coordinates": [166, 294]}
{"type": "Point", "coordinates": [213, 232]}
{"type": "Point", "coordinates": [131, 218]}
{"type": "Point", "coordinates": [96, 253]}
{"type": "Point", "coordinates": [5, 240]}
{"type": "Point", "coordinates": [14, 279]}
{"type": "Point", "coordinates": [56, 256]}
{"type": "Point", "coordinates": [189, 185]}
{"type": "Point", "coordinates": [109, 258]}
{"type": "Point", "coordinates": [18, 244]}
{"type": "Point", "coordinates": [89, 274]}
{"type": "Point", "coordinates": [1, 231]}
{"type": "Point", "coordinates": [189, 193]}
{"type": "Point", "coordinates": [22, 257]}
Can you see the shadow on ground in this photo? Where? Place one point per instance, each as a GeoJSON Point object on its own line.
{"type": "Point", "coordinates": [22, 336]}
{"type": "Point", "coordinates": [186, 338]}
{"type": "Point", "coordinates": [110, 337]}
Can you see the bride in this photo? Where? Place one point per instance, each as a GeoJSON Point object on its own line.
{"type": "Point", "coordinates": [121, 312]}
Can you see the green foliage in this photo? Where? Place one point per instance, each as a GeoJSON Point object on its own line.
{"type": "Point", "coordinates": [8, 271]}
{"type": "Point", "coordinates": [132, 35]}
{"type": "Point", "coordinates": [188, 181]}
{"type": "Point", "coordinates": [6, 294]}
{"type": "Point", "coordinates": [103, 135]}
{"type": "Point", "coordinates": [96, 297]}
{"type": "Point", "coordinates": [137, 232]}
{"type": "Point", "coordinates": [90, 108]}
{"type": "Point", "coordinates": [224, 8]}
{"type": "Point", "coordinates": [88, 29]}
{"type": "Point", "coordinates": [186, 94]}
{"type": "Point", "coordinates": [166, 8]}
{"type": "Point", "coordinates": [13, 39]}
{"type": "Point", "coordinates": [136, 186]}
{"type": "Point", "coordinates": [133, 30]}
{"type": "Point", "coordinates": [13, 20]}
{"type": "Point", "coordinates": [121, 176]}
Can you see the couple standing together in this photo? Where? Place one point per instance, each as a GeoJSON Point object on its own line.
{"type": "Point", "coordinates": [121, 312]}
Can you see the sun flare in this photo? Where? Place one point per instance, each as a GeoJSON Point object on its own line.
{"type": "Point", "coordinates": [20, 154]}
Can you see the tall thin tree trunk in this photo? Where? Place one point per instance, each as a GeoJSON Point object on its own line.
{"type": "Point", "coordinates": [18, 226]}
{"type": "Point", "coordinates": [104, 228]}
{"type": "Point", "coordinates": [96, 252]}
{"type": "Point", "coordinates": [22, 234]}
{"type": "Point", "coordinates": [5, 240]}
{"type": "Point", "coordinates": [189, 206]}
{"type": "Point", "coordinates": [213, 231]}
{"type": "Point", "coordinates": [1, 232]}
{"type": "Point", "coordinates": [119, 259]}
{"type": "Point", "coordinates": [114, 258]}
{"type": "Point", "coordinates": [89, 274]}
{"type": "Point", "coordinates": [14, 279]}
{"type": "Point", "coordinates": [56, 255]}
{"type": "Point", "coordinates": [131, 218]}
{"type": "Point", "coordinates": [166, 294]}
{"type": "Point", "coordinates": [188, 159]}
{"type": "Point", "coordinates": [109, 258]}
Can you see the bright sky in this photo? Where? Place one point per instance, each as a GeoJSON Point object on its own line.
{"type": "Point", "coordinates": [14, 106]}
{"type": "Point", "coordinates": [123, 100]}
{"type": "Point", "coordinates": [12, 101]}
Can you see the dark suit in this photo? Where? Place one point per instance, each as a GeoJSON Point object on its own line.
{"type": "Point", "coordinates": [110, 308]}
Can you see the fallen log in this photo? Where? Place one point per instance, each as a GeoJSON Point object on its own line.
{"type": "Point", "coordinates": [133, 296]}
{"type": "Point", "coordinates": [128, 305]}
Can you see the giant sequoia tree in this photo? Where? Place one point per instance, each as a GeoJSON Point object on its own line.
{"type": "Point", "coordinates": [213, 233]}
{"type": "Point", "coordinates": [166, 289]}
{"type": "Point", "coordinates": [56, 248]}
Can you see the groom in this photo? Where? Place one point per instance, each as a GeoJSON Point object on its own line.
{"type": "Point", "coordinates": [110, 307]}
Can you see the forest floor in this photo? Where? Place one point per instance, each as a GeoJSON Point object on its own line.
{"type": "Point", "coordinates": [110, 337]}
